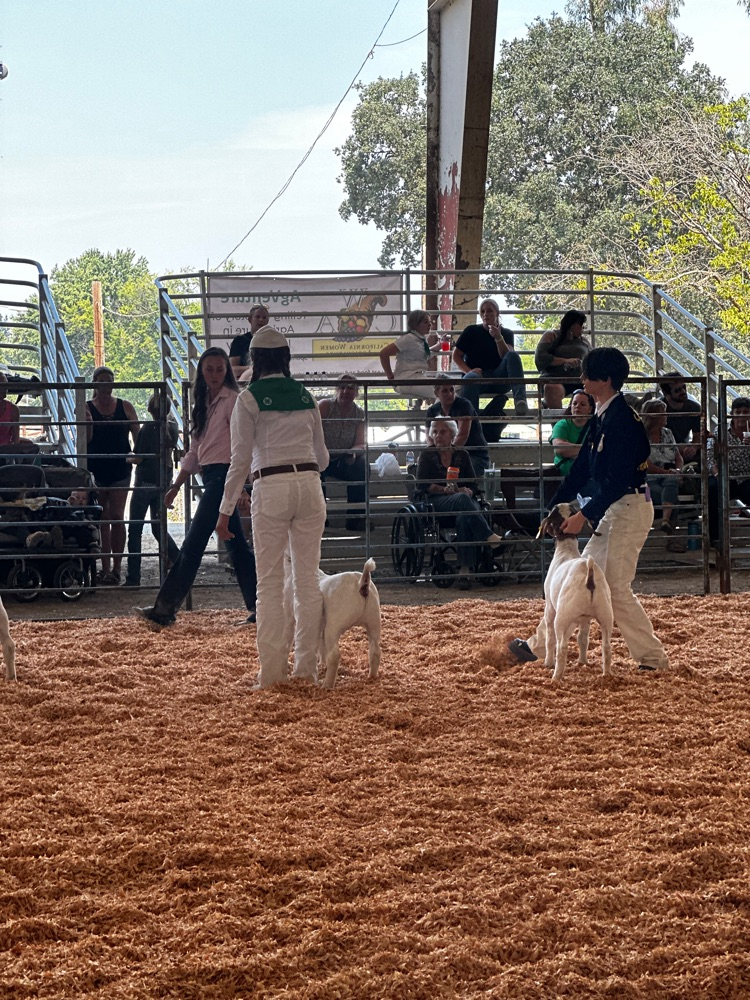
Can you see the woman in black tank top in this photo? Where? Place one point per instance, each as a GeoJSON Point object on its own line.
{"type": "Point", "coordinates": [110, 423]}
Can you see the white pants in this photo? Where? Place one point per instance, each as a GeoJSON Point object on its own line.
{"type": "Point", "coordinates": [622, 532]}
{"type": "Point", "coordinates": [424, 391]}
{"type": "Point", "coordinates": [289, 511]}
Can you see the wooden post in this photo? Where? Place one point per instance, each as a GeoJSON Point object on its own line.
{"type": "Point", "coordinates": [96, 295]}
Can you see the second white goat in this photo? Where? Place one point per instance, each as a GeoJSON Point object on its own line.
{"type": "Point", "coordinates": [349, 599]}
{"type": "Point", "coordinates": [576, 593]}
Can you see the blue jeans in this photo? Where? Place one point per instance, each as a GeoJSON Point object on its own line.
{"type": "Point", "coordinates": [143, 498]}
{"type": "Point", "coordinates": [471, 524]}
{"type": "Point", "coordinates": [510, 367]}
{"type": "Point", "coordinates": [181, 576]}
{"type": "Point", "coordinates": [353, 474]}
{"type": "Point", "coordinates": [664, 489]}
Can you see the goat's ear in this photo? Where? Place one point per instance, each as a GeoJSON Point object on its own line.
{"type": "Point", "coordinates": [545, 525]}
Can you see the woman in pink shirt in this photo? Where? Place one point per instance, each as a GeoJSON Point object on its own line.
{"type": "Point", "coordinates": [214, 395]}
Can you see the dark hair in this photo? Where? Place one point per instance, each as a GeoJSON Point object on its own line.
{"type": "Point", "coordinates": [606, 363]}
{"type": "Point", "coordinates": [571, 317]}
{"type": "Point", "coordinates": [443, 379]}
{"type": "Point", "coordinates": [270, 361]}
{"type": "Point", "coordinates": [666, 386]}
{"type": "Point", "coordinates": [740, 401]}
{"type": "Point", "coordinates": [580, 392]}
{"type": "Point", "coordinates": [199, 413]}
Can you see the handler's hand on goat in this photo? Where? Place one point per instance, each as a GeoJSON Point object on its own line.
{"type": "Point", "coordinates": [222, 528]}
{"type": "Point", "coordinates": [573, 525]}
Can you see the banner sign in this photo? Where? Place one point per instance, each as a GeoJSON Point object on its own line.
{"type": "Point", "coordinates": [333, 324]}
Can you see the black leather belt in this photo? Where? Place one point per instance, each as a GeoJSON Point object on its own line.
{"type": "Point", "coordinates": [275, 470]}
{"type": "Point", "coordinates": [637, 489]}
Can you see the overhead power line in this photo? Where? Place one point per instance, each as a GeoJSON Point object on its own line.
{"type": "Point", "coordinates": [388, 45]}
{"type": "Point", "coordinates": [315, 141]}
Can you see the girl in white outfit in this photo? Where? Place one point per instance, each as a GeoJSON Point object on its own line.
{"type": "Point", "coordinates": [277, 433]}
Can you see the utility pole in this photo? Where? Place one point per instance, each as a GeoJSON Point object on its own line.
{"type": "Point", "coordinates": [96, 295]}
{"type": "Point", "coordinates": [460, 67]}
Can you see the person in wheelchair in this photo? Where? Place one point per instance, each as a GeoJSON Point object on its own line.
{"type": "Point", "coordinates": [457, 496]}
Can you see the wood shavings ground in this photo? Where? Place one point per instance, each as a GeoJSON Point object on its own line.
{"type": "Point", "coordinates": [460, 828]}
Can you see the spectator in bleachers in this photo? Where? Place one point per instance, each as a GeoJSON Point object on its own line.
{"type": "Point", "coordinates": [485, 350]}
{"type": "Point", "coordinates": [147, 494]}
{"type": "Point", "coordinates": [110, 425]}
{"type": "Point", "coordinates": [664, 463]}
{"type": "Point", "coordinates": [413, 356]}
{"type": "Point", "coordinates": [455, 497]}
{"type": "Point", "coordinates": [568, 433]}
{"type": "Point", "coordinates": [738, 447]}
{"type": "Point", "coordinates": [10, 418]}
{"type": "Point", "coordinates": [239, 349]}
{"type": "Point", "coordinates": [683, 416]}
{"type": "Point", "coordinates": [344, 432]}
{"type": "Point", "coordinates": [470, 435]}
{"type": "Point", "coordinates": [559, 355]}
{"type": "Point", "coordinates": [738, 467]}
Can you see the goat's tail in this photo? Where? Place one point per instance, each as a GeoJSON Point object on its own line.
{"type": "Point", "coordinates": [590, 582]}
{"type": "Point", "coordinates": [366, 579]}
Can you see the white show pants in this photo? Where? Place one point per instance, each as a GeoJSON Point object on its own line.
{"type": "Point", "coordinates": [622, 532]}
{"type": "Point", "coordinates": [288, 511]}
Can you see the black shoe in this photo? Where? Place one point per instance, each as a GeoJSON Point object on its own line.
{"type": "Point", "coordinates": [154, 618]}
{"type": "Point", "coordinates": [250, 620]}
{"type": "Point", "coordinates": [133, 584]}
{"type": "Point", "coordinates": [463, 583]}
{"type": "Point", "coordinates": [521, 650]}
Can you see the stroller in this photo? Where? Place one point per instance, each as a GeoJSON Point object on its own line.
{"type": "Point", "coordinates": [45, 542]}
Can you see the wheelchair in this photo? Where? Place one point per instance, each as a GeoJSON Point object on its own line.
{"type": "Point", "coordinates": [423, 546]}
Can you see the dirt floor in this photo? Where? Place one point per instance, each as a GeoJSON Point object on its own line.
{"type": "Point", "coordinates": [460, 828]}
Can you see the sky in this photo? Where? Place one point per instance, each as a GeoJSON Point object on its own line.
{"type": "Point", "coordinates": [168, 126]}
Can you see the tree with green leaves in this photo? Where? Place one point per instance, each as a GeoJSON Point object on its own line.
{"type": "Point", "coordinates": [130, 314]}
{"type": "Point", "coordinates": [567, 98]}
{"type": "Point", "coordinates": [694, 176]}
{"type": "Point", "coordinates": [383, 166]}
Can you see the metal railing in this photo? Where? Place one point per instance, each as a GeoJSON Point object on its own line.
{"type": "Point", "coordinates": [624, 309]}
{"type": "Point", "coordinates": [48, 352]}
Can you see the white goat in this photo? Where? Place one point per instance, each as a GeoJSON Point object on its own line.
{"type": "Point", "coordinates": [349, 599]}
{"type": "Point", "coordinates": [8, 646]}
{"type": "Point", "coordinates": [576, 592]}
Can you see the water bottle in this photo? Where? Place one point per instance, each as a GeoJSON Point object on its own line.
{"type": "Point", "coordinates": [489, 484]}
{"type": "Point", "coordinates": [410, 461]}
{"type": "Point", "coordinates": [694, 539]}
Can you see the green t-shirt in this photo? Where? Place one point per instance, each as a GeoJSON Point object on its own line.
{"type": "Point", "coordinates": [566, 430]}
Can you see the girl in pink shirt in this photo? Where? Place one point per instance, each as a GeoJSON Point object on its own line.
{"type": "Point", "coordinates": [214, 394]}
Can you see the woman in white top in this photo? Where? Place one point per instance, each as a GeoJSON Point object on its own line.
{"type": "Point", "coordinates": [277, 433]}
{"type": "Point", "coordinates": [413, 356]}
{"type": "Point", "coordinates": [664, 461]}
